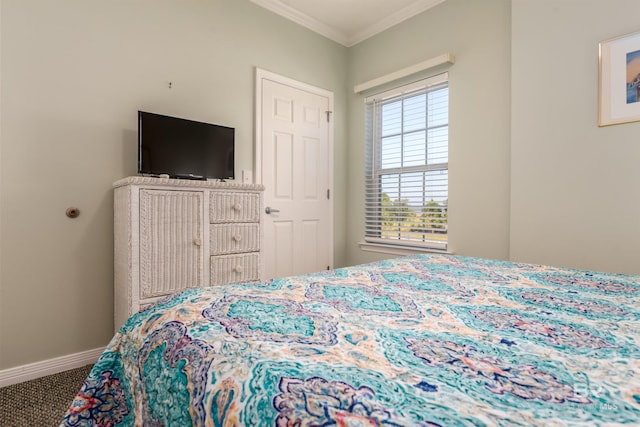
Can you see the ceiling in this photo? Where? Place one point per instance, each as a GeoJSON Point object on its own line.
{"type": "Point", "coordinates": [347, 22]}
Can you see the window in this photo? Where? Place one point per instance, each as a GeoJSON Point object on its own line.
{"type": "Point", "coordinates": [407, 165]}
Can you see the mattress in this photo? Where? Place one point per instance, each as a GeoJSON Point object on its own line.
{"type": "Point", "coordinates": [424, 340]}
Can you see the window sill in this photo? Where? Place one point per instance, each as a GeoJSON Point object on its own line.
{"type": "Point", "coordinates": [399, 250]}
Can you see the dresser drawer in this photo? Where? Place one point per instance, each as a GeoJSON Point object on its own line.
{"type": "Point", "coordinates": [234, 238]}
{"type": "Point", "coordinates": [235, 268]}
{"type": "Point", "coordinates": [234, 207]}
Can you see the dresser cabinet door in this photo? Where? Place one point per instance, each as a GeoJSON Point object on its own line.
{"type": "Point", "coordinates": [171, 252]}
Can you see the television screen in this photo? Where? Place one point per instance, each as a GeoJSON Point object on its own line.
{"type": "Point", "coordinates": [184, 148]}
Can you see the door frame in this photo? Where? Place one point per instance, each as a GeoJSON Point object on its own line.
{"type": "Point", "coordinates": [261, 75]}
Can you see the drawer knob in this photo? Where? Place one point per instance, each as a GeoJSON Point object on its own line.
{"type": "Point", "coordinates": [237, 207]}
{"type": "Point", "coordinates": [238, 269]}
{"type": "Point", "coordinates": [237, 238]}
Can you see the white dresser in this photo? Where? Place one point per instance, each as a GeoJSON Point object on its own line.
{"type": "Point", "coordinates": [171, 235]}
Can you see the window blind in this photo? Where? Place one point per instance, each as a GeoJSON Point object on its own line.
{"type": "Point", "coordinates": [407, 172]}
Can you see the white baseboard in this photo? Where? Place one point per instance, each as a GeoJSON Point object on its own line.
{"type": "Point", "coordinates": [48, 367]}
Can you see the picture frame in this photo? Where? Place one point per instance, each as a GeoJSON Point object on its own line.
{"type": "Point", "coordinates": [619, 80]}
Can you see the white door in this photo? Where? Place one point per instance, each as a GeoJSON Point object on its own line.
{"type": "Point", "coordinates": [295, 164]}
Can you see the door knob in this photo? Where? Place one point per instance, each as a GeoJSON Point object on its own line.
{"type": "Point", "coordinates": [269, 210]}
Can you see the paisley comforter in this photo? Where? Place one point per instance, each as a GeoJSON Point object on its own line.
{"type": "Point", "coordinates": [427, 340]}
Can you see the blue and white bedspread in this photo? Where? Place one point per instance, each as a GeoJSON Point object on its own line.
{"type": "Point", "coordinates": [416, 341]}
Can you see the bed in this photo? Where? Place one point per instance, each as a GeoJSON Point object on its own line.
{"type": "Point", "coordinates": [424, 340]}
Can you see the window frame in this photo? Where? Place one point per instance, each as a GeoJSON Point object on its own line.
{"type": "Point", "coordinates": [374, 171]}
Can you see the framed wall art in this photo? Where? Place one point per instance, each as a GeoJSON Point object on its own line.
{"type": "Point", "coordinates": [619, 80]}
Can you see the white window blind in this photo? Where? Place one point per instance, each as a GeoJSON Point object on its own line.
{"type": "Point", "coordinates": [407, 165]}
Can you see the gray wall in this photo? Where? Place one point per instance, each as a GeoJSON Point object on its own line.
{"type": "Point", "coordinates": [532, 177]}
{"type": "Point", "coordinates": [73, 75]}
{"type": "Point", "coordinates": [575, 188]}
{"type": "Point", "coordinates": [478, 34]}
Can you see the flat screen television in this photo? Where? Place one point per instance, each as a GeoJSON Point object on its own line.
{"type": "Point", "coordinates": [184, 148]}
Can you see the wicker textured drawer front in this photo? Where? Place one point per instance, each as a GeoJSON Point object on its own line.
{"type": "Point", "coordinates": [234, 207]}
{"type": "Point", "coordinates": [234, 238]}
{"type": "Point", "coordinates": [234, 268]}
{"type": "Point", "coordinates": [171, 253]}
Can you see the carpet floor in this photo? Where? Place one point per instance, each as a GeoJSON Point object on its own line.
{"type": "Point", "coordinates": [41, 402]}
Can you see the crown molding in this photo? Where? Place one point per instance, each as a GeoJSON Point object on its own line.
{"type": "Point", "coordinates": [392, 20]}
{"type": "Point", "coordinates": [303, 19]}
{"type": "Point", "coordinates": [288, 12]}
